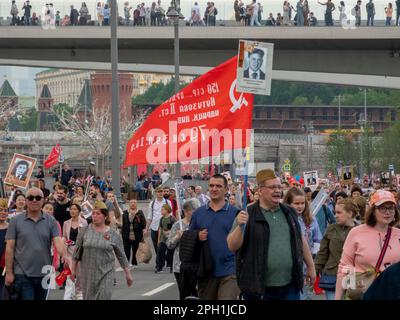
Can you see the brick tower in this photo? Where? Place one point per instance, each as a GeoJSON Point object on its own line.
{"type": "Point", "coordinates": [46, 116]}
{"type": "Point", "coordinates": [101, 90]}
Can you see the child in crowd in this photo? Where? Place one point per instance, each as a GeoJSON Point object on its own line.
{"type": "Point", "coordinates": [163, 253]}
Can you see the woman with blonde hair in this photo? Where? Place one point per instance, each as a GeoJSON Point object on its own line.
{"type": "Point", "coordinates": [371, 247]}
{"type": "Point", "coordinates": [296, 198]}
{"type": "Point", "coordinates": [328, 257]}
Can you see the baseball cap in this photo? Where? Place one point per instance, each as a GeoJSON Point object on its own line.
{"type": "Point", "coordinates": [381, 196]}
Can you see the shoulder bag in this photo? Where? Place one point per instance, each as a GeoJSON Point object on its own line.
{"type": "Point", "coordinates": [365, 279]}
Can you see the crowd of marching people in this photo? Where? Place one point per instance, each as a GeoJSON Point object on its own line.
{"type": "Point", "coordinates": [252, 14]}
{"type": "Point", "coordinates": [273, 244]}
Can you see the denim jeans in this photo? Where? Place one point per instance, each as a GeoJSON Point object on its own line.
{"type": "Point", "coordinates": [388, 21]}
{"type": "Point", "coordinates": [288, 292]}
{"type": "Point", "coordinates": [30, 288]}
{"type": "Point", "coordinates": [254, 21]}
{"type": "Point", "coordinates": [330, 295]}
{"type": "Point", "coordinates": [370, 18]}
{"type": "Point", "coordinates": [300, 19]}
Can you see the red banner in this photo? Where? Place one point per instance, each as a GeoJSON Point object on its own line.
{"type": "Point", "coordinates": [52, 158]}
{"type": "Point", "coordinates": [205, 118]}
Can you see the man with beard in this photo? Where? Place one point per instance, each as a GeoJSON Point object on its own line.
{"type": "Point", "coordinates": [61, 206]}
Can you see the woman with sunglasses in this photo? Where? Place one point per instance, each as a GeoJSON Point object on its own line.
{"type": "Point", "coordinates": [364, 246]}
{"type": "Point", "coordinates": [3, 231]}
{"type": "Point", "coordinates": [95, 248]}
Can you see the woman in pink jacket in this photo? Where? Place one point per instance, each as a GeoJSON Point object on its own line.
{"type": "Point", "coordinates": [364, 243]}
{"type": "Point", "coordinates": [70, 233]}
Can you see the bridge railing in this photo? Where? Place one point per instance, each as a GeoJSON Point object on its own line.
{"type": "Point", "coordinates": [6, 21]}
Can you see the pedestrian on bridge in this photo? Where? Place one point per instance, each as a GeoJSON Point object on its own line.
{"type": "Point", "coordinates": [330, 7]}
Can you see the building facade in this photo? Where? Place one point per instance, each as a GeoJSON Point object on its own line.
{"type": "Point", "coordinates": [66, 85]}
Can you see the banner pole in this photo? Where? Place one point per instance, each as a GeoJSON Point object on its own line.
{"type": "Point", "coordinates": [178, 202]}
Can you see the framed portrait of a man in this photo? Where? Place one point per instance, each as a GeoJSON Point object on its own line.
{"type": "Point", "coordinates": [254, 72]}
{"type": "Point", "coordinates": [20, 170]}
{"type": "Point", "coordinates": [347, 174]}
{"type": "Point", "coordinates": [311, 179]}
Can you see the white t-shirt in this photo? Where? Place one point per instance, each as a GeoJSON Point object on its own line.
{"type": "Point", "coordinates": [196, 9]}
{"type": "Point", "coordinates": [164, 177]}
{"type": "Point", "coordinates": [155, 214]}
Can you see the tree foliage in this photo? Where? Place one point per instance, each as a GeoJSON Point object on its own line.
{"type": "Point", "coordinates": [287, 93]}
{"type": "Point", "coordinates": [157, 93]}
{"type": "Point", "coordinates": [294, 162]}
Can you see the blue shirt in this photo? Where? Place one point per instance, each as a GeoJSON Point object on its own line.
{"type": "Point", "coordinates": [311, 233]}
{"type": "Point", "coordinates": [219, 224]}
{"type": "Point", "coordinates": [324, 217]}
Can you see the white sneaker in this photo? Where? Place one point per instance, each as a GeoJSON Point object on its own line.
{"type": "Point", "coordinates": [119, 269]}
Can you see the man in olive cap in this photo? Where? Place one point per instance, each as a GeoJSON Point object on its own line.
{"type": "Point", "coordinates": [270, 248]}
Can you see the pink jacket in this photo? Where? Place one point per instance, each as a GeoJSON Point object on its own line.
{"type": "Point", "coordinates": [56, 258]}
{"type": "Point", "coordinates": [67, 230]}
{"type": "Point", "coordinates": [362, 248]}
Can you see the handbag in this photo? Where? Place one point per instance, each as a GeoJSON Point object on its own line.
{"type": "Point", "coordinates": [327, 282]}
{"type": "Point", "coordinates": [363, 280]}
{"type": "Point", "coordinates": [79, 248]}
{"type": "Point", "coordinates": [143, 253]}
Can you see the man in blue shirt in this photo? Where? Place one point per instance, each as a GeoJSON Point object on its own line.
{"type": "Point", "coordinates": [214, 220]}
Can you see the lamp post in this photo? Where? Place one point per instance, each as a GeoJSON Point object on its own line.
{"type": "Point", "coordinates": [174, 15]}
{"type": "Point", "coordinates": [309, 129]}
{"type": "Point", "coordinates": [115, 157]}
{"type": "Point", "coordinates": [339, 98]}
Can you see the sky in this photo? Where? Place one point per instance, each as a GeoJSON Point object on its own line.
{"type": "Point", "coordinates": [22, 79]}
{"type": "Point", "coordinates": [225, 7]}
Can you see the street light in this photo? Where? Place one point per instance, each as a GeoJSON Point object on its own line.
{"type": "Point", "coordinates": [340, 98]}
{"type": "Point", "coordinates": [115, 158]}
{"type": "Point", "coordinates": [309, 129]}
{"type": "Point", "coordinates": [174, 15]}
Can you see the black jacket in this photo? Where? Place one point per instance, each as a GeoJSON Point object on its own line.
{"type": "Point", "coordinates": [251, 258]}
{"type": "Point", "coordinates": [195, 254]}
{"type": "Point", "coordinates": [139, 223]}
{"type": "Point", "coordinates": [386, 286]}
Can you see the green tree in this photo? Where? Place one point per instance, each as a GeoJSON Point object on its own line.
{"type": "Point", "coordinates": [389, 147]}
{"type": "Point", "coordinates": [300, 101]}
{"type": "Point", "coordinates": [157, 93]}
{"type": "Point", "coordinates": [341, 146]}
{"type": "Point", "coordinates": [28, 122]}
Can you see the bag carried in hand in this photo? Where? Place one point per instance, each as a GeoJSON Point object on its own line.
{"type": "Point", "coordinates": [365, 279]}
{"type": "Point", "coordinates": [143, 254]}
{"type": "Point", "coordinates": [327, 282]}
{"type": "Point", "coordinates": [69, 290]}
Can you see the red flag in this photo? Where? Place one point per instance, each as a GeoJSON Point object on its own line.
{"type": "Point", "coordinates": [205, 118]}
{"type": "Point", "coordinates": [53, 157]}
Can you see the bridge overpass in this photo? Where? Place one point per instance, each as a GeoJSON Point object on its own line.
{"type": "Point", "coordinates": [367, 56]}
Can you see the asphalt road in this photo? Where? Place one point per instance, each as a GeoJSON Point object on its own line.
{"type": "Point", "coordinates": [147, 285]}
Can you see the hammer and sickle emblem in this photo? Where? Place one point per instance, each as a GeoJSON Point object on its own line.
{"type": "Point", "coordinates": [237, 103]}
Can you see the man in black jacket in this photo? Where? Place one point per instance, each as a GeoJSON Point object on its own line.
{"type": "Point", "coordinates": [271, 249]}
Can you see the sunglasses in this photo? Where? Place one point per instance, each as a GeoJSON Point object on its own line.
{"type": "Point", "coordinates": [37, 198]}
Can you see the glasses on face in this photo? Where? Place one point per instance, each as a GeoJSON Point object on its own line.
{"type": "Point", "coordinates": [37, 198]}
{"type": "Point", "coordinates": [276, 187]}
{"type": "Point", "coordinates": [384, 209]}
